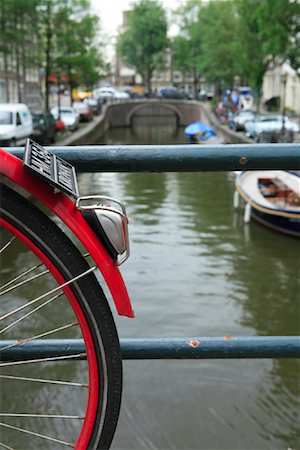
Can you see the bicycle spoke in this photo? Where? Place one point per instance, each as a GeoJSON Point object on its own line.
{"type": "Point", "coordinates": [21, 283]}
{"type": "Point", "coordinates": [52, 399]}
{"type": "Point", "coordinates": [56, 358]}
{"type": "Point", "coordinates": [7, 244]}
{"type": "Point", "coordinates": [6, 446]}
{"type": "Point", "coordinates": [43, 416]}
{"type": "Point", "coordinates": [49, 438]}
{"type": "Point", "coordinates": [38, 336]}
{"type": "Point", "coordinates": [30, 313]}
{"type": "Point", "coordinates": [67, 283]}
{"type": "Point", "coordinates": [26, 272]}
{"type": "Point", "coordinates": [43, 380]}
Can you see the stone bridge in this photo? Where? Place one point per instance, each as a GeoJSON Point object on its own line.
{"type": "Point", "coordinates": [123, 113]}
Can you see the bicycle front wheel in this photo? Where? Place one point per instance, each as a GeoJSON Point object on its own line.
{"type": "Point", "coordinates": [49, 291]}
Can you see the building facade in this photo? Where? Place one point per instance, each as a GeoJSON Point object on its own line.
{"type": "Point", "coordinates": [282, 81]}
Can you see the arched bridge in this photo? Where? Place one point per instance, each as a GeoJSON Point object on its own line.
{"type": "Point", "coordinates": [123, 113]}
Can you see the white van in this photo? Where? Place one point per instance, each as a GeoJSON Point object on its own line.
{"type": "Point", "coordinates": [15, 124]}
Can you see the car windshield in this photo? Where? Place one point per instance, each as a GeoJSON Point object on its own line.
{"type": "Point", "coordinates": [37, 117]}
{"type": "Point", "coordinates": [270, 119]}
{"type": "Point", "coordinates": [80, 106]}
{"type": "Point", "coordinates": [66, 111]}
{"type": "Point", "coordinates": [6, 118]}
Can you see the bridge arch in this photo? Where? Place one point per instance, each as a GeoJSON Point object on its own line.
{"type": "Point", "coordinates": [155, 109]}
{"type": "Point", "coordinates": [120, 114]}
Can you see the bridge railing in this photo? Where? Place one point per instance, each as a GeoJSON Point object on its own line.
{"type": "Point", "coordinates": [179, 158]}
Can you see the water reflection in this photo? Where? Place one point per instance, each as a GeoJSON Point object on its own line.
{"type": "Point", "coordinates": [146, 193]}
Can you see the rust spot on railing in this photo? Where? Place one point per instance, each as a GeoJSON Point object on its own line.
{"type": "Point", "coordinates": [193, 343]}
{"type": "Point", "coordinates": [243, 160]}
{"type": "Point", "coordinates": [228, 338]}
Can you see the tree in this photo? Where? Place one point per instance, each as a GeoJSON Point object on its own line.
{"type": "Point", "coordinates": [76, 56]}
{"type": "Point", "coordinates": [268, 31]}
{"type": "Point", "coordinates": [62, 42]}
{"type": "Point", "coordinates": [181, 56]}
{"type": "Point", "coordinates": [211, 49]}
{"type": "Point", "coordinates": [220, 48]}
{"type": "Point", "coordinates": [145, 39]}
{"type": "Point", "coordinates": [186, 47]}
{"type": "Point", "coordinates": [19, 41]}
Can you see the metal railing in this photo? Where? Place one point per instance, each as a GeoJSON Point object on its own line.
{"type": "Point", "coordinates": [178, 158]}
{"type": "Point", "coordinates": [175, 158]}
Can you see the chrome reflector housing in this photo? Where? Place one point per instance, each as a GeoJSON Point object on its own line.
{"type": "Point", "coordinates": [111, 215]}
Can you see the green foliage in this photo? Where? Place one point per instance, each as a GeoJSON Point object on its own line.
{"type": "Point", "coordinates": [226, 38]}
{"type": "Point", "coordinates": [267, 32]}
{"type": "Point", "coordinates": [141, 45]}
{"type": "Point", "coordinates": [59, 36]}
{"type": "Point", "coordinates": [187, 46]}
{"type": "Point", "coordinates": [220, 50]}
{"type": "Point", "coordinates": [76, 56]}
{"type": "Point", "coordinates": [182, 57]}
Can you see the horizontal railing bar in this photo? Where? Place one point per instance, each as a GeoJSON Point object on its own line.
{"type": "Point", "coordinates": [226, 347]}
{"type": "Point", "coordinates": [177, 158]}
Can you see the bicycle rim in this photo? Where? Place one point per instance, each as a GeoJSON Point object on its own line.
{"type": "Point", "coordinates": [76, 310]}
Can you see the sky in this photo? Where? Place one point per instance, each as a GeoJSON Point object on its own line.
{"type": "Point", "coordinates": [110, 12]}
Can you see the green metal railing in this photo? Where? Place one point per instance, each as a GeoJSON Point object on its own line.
{"type": "Point", "coordinates": [178, 158]}
{"type": "Point", "coordinates": [171, 158]}
{"type": "Point", "coordinates": [228, 347]}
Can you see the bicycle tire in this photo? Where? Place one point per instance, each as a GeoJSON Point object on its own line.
{"type": "Point", "coordinates": [91, 308]}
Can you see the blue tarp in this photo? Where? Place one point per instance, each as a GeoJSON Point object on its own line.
{"type": "Point", "coordinates": [201, 129]}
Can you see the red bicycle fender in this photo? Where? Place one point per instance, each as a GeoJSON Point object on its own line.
{"type": "Point", "coordinates": [65, 209]}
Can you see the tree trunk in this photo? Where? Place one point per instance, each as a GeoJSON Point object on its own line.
{"type": "Point", "coordinates": [18, 73]}
{"type": "Point", "coordinates": [23, 56]}
{"type": "Point", "coordinates": [48, 55]}
{"type": "Point", "coordinates": [195, 79]}
{"type": "Point", "coordinates": [6, 78]}
{"type": "Point", "coordinates": [149, 76]}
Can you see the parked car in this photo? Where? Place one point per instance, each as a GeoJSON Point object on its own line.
{"type": "Point", "coordinates": [44, 128]}
{"type": "Point", "coordinates": [60, 126]}
{"type": "Point", "coordinates": [80, 94]}
{"type": "Point", "coordinates": [173, 93]}
{"type": "Point", "coordinates": [237, 121]}
{"type": "Point", "coordinates": [110, 93]}
{"type": "Point", "coordinates": [84, 110]}
{"type": "Point", "coordinates": [15, 124]}
{"type": "Point", "coordinates": [95, 104]}
{"type": "Point", "coordinates": [269, 124]}
{"type": "Point", "coordinates": [68, 116]}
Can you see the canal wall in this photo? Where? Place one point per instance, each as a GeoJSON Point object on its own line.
{"type": "Point", "coordinates": [121, 114]}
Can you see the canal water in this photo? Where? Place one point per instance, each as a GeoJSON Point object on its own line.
{"type": "Point", "coordinates": [197, 270]}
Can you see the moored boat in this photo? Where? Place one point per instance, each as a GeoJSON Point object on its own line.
{"type": "Point", "coordinates": [272, 198]}
{"type": "Point", "coordinates": [199, 131]}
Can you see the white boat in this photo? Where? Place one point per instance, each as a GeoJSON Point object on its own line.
{"type": "Point", "coordinates": [272, 198]}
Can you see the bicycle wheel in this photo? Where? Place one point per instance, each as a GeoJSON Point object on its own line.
{"type": "Point", "coordinates": [74, 401]}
